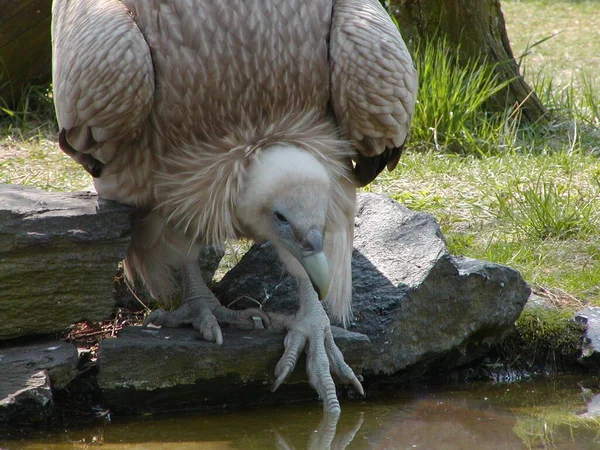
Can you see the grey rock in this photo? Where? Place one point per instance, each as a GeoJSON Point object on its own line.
{"type": "Point", "coordinates": [418, 304]}
{"type": "Point", "coordinates": [27, 376]}
{"type": "Point", "coordinates": [538, 302]}
{"type": "Point", "coordinates": [590, 352]}
{"type": "Point", "coordinates": [165, 369]}
{"type": "Point", "coordinates": [30, 401]}
{"type": "Point", "coordinates": [58, 358]}
{"type": "Point", "coordinates": [421, 308]}
{"type": "Point", "coordinates": [58, 257]}
{"type": "Point", "coordinates": [209, 259]}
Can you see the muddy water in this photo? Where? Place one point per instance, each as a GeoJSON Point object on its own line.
{"type": "Point", "coordinates": [562, 413]}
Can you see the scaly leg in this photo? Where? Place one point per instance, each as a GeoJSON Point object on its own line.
{"type": "Point", "coordinates": [202, 309]}
{"type": "Point", "coordinates": [310, 330]}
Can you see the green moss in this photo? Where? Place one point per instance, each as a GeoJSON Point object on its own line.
{"type": "Point", "coordinates": [544, 338]}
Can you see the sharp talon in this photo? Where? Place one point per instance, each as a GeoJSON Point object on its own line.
{"type": "Point", "coordinates": [264, 318]}
{"type": "Point", "coordinates": [359, 388]}
{"type": "Point", "coordinates": [257, 323]}
{"type": "Point", "coordinates": [210, 329]}
{"type": "Point", "coordinates": [311, 332]}
{"type": "Point", "coordinates": [218, 335]}
{"type": "Point", "coordinates": [281, 378]}
{"type": "Point", "coordinates": [357, 384]}
{"type": "Point", "coordinates": [266, 321]}
{"type": "Point", "coordinates": [347, 376]}
{"type": "Point", "coordinates": [154, 318]}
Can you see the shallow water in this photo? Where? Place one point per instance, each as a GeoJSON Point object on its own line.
{"type": "Point", "coordinates": [562, 413]}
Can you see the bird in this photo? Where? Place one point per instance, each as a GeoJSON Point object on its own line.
{"type": "Point", "coordinates": [229, 119]}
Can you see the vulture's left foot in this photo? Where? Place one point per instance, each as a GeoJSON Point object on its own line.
{"type": "Point", "coordinates": [200, 308]}
{"type": "Point", "coordinates": [310, 330]}
{"type": "Point", "coordinates": [206, 317]}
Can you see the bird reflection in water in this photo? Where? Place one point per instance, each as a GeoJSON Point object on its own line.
{"type": "Point", "coordinates": [326, 436]}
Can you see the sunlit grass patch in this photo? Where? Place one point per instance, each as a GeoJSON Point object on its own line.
{"type": "Point", "coordinates": [544, 209]}
{"type": "Point", "coordinates": [573, 49]}
{"type": "Point", "coordinates": [38, 162]}
{"type": "Point", "coordinates": [576, 100]}
{"type": "Point", "coordinates": [462, 194]}
{"type": "Point", "coordinates": [29, 154]}
{"type": "Point", "coordinates": [450, 110]}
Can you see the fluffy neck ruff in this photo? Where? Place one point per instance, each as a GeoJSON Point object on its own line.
{"type": "Point", "coordinates": [200, 185]}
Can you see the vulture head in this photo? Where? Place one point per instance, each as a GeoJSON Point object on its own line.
{"type": "Point", "coordinates": [286, 201]}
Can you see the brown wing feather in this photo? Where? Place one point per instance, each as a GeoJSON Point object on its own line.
{"type": "Point", "coordinates": [103, 75]}
{"type": "Point", "coordinates": [373, 84]}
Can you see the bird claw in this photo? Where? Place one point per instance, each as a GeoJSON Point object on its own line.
{"type": "Point", "coordinates": [323, 358]}
{"type": "Point", "coordinates": [207, 324]}
{"type": "Point", "coordinates": [206, 319]}
{"type": "Point", "coordinates": [242, 319]}
{"type": "Point", "coordinates": [155, 318]}
{"type": "Point", "coordinates": [294, 343]}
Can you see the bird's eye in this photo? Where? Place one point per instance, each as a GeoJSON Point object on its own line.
{"type": "Point", "coordinates": [281, 218]}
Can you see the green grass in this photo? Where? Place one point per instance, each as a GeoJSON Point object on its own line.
{"type": "Point", "coordinates": [28, 149]}
{"type": "Point", "coordinates": [571, 51]}
{"type": "Point", "coordinates": [451, 114]}
{"type": "Point", "coordinates": [544, 210]}
{"type": "Point", "coordinates": [521, 195]}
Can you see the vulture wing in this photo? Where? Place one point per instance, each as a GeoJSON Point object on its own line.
{"type": "Point", "coordinates": [103, 77]}
{"type": "Point", "coordinates": [373, 84]}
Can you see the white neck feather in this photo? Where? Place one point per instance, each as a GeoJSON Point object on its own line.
{"type": "Point", "coordinates": [279, 162]}
{"type": "Point", "coordinates": [277, 169]}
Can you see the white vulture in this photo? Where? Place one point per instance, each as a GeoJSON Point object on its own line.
{"type": "Point", "coordinates": [221, 119]}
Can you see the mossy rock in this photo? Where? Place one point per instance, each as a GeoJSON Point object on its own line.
{"type": "Point", "coordinates": [546, 339]}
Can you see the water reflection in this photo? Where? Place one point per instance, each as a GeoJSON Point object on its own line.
{"type": "Point", "coordinates": [326, 436]}
{"type": "Point", "coordinates": [558, 414]}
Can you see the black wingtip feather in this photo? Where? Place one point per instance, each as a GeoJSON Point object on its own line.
{"type": "Point", "coordinates": [366, 168]}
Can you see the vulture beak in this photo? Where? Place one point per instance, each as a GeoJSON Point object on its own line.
{"type": "Point", "coordinates": [313, 260]}
{"type": "Point", "coordinates": [317, 268]}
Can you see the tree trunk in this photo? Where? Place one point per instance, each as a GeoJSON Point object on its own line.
{"type": "Point", "coordinates": [25, 50]}
{"type": "Point", "coordinates": [478, 30]}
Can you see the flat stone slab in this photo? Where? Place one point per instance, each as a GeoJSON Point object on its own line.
{"type": "Point", "coordinates": [28, 374]}
{"type": "Point", "coordinates": [155, 369]}
{"type": "Point", "coordinates": [29, 403]}
{"type": "Point", "coordinates": [58, 256]}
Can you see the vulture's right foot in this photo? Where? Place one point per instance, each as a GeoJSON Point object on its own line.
{"type": "Point", "coordinates": [309, 331]}
{"type": "Point", "coordinates": [202, 310]}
